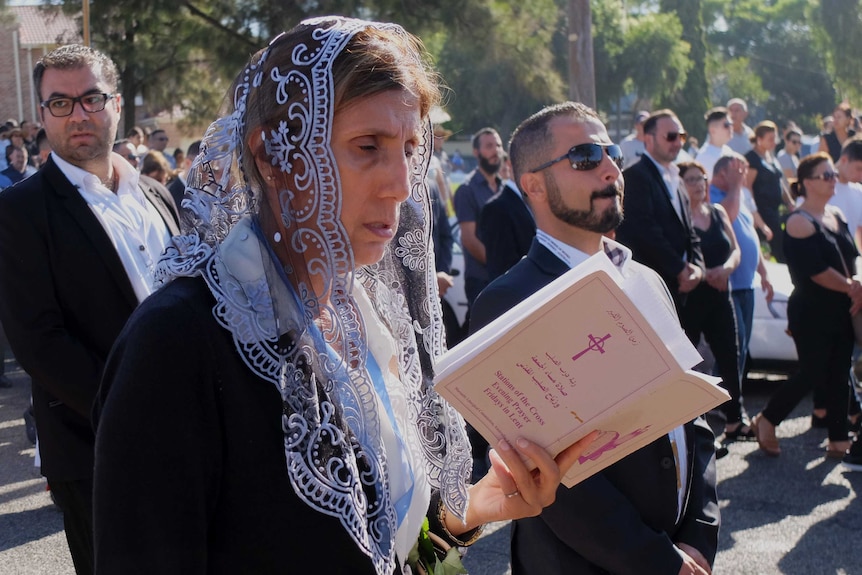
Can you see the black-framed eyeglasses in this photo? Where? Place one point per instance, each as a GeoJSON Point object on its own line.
{"type": "Point", "coordinates": [586, 157]}
{"type": "Point", "coordinates": [91, 103]}
{"type": "Point", "coordinates": [827, 176]}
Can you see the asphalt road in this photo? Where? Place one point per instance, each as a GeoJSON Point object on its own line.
{"type": "Point", "coordinates": [797, 514]}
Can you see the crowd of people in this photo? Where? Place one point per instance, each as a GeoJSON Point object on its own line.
{"type": "Point", "coordinates": [232, 347]}
{"type": "Point", "coordinates": [26, 147]}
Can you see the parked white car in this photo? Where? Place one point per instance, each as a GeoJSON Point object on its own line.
{"type": "Point", "coordinates": [771, 346]}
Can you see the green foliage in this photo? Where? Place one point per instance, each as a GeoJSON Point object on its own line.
{"type": "Point", "coordinates": [732, 78]}
{"type": "Point", "coordinates": [504, 59]}
{"type": "Point", "coordinates": [655, 58]}
{"type": "Point", "coordinates": [778, 40]}
{"type": "Point", "coordinates": [693, 99]}
{"type": "Point", "coordinates": [609, 40]}
{"type": "Point", "coordinates": [501, 69]}
{"type": "Point", "coordinates": [838, 36]}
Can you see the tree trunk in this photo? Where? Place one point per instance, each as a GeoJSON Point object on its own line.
{"type": "Point", "coordinates": [582, 82]}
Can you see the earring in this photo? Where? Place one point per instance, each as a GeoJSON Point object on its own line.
{"type": "Point", "coordinates": [269, 178]}
{"type": "Point", "coordinates": [277, 237]}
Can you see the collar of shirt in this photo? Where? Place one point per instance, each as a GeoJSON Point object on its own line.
{"type": "Point", "coordinates": [92, 188]}
{"type": "Point", "coordinates": [670, 176]}
{"type": "Point", "coordinates": [670, 173]}
{"type": "Point", "coordinates": [619, 254]}
{"type": "Point", "coordinates": [479, 179]}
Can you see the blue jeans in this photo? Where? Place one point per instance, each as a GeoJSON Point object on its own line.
{"type": "Point", "coordinates": [743, 304]}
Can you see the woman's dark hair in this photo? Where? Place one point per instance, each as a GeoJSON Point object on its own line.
{"type": "Point", "coordinates": [805, 170]}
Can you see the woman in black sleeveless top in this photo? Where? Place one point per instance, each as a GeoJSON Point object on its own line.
{"type": "Point", "coordinates": [765, 180]}
{"type": "Point", "coordinates": [709, 308]}
{"type": "Point", "coordinates": [821, 260]}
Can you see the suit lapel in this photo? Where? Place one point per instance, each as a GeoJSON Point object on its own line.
{"type": "Point", "coordinates": [84, 218]}
{"type": "Point", "coordinates": [162, 207]}
{"type": "Point", "coordinates": [656, 174]}
{"type": "Point", "coordinates": [546, 261]}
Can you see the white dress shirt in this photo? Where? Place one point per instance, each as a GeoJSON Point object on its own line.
{"type": "Point", "coordinates": [134, 225]}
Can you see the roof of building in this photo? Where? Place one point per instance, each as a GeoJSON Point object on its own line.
{"type": "Point", "coordinates": [40, 26]}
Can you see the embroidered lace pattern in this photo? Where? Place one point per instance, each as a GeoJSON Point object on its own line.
{"type": "Point", "coordinates": [335, 458]}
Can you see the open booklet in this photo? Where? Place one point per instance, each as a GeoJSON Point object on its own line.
{"type": "Point", "coordinates": [591, 350]}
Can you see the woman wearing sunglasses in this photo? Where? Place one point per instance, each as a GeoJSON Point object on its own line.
{"type": "Point", "coordinates": [821, 260]}
{"type": "Point", "coordinates": [709, 308]}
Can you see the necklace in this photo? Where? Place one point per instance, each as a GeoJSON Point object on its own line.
{"type": "Point", "coordinates": [112, 182]}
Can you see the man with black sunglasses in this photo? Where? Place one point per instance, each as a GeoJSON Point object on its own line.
{"type": "Point", "coordinates": [658, 226]}
{"type": "Point", "coordinates": [78, 245]}
{"type": "Point", "coordinates": [654, 512]}
{"type": "Point", "coordinates": [718, 127]}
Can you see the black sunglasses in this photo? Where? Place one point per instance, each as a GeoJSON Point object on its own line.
{"type": "Point", "coordinates": [672, 136]}
{"type": "Point", "coordinates": [827, 176]}
{"type": "Point", "coordinates": [586, 157]}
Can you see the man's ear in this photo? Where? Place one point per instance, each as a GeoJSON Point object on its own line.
{"type": "Point", "coordinates": [533, 186]}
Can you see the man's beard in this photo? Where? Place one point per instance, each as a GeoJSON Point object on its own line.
{"type": "Point", "coordinates": [487, 167]}
{"type": "Point", "coordinates": [590, 220]}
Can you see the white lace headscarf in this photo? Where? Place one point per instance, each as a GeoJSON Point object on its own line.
{"type": "Point", "coordinates": [335, 457]}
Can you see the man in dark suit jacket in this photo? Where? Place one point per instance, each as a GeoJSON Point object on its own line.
{"type": "Point", "coordinates": [657, 226]}
{"type": "Point", "coordinates": [506, 228]}
{"type": "Point", "coordinates": [78, 243]}
{"type": "Point", "coordinates": [654, 512]}
{"type": "Point", "coordinates": [178, 186]}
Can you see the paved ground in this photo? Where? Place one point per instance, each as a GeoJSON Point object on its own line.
{"type": "Point", "coordinates": [795, 515]}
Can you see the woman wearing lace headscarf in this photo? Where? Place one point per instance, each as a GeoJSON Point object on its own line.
{"type": "Point", "coordinates": [275, 397]}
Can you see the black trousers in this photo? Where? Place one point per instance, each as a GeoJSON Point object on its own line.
{"type": "Point", "coordinates": [710, 312]}
{"type": "Point", "coordinates": [824, 343]}
{"type": "Point", "coordinates": [75, 499]}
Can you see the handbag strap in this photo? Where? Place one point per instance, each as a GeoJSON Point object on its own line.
{"type": "Point", "coordinates": [829, 238]}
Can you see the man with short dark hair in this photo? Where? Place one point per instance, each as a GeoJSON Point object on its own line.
{"type": "Point", "coordinates": [848, 188]}
{"type": "Point", "coordinates": [178, 186]}
{"type": "Point", "coordinates": [16, 158]}
{"type": "Point", "coordinates": [78, 245]}
{"type": "Point", "coordinates": [655, 511]}
{"type": "Point", "coordinates": [658, 226]}
{"type": "Point", "coordinates": [727, 189]}
{"type": "Point", "coordinates": [718, 127]}
{"type": "Point", "coordinates": [633, 144]}
{"type": "Point", "coordinates": [471, 196]}
{"type": "Point", "coordinates": [158, 141]}
{"type": "Point", "coordinates": [127, 150]}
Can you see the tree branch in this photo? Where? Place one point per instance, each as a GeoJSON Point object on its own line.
{"type": "Point", "coordinates": [215, 23]}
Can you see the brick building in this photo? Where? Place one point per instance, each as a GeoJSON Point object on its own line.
{"type": "Point", "coordinates": [33, 31]}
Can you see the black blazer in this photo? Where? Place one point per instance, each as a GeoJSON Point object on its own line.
{"type": "Point", "coordinates": [64, 297]}
{"type": "Point", "coordinates": [623, 519]}
{"type": "Point", "coordinates": [652, 229]}
{"type": "Point", "coordinates": [177, 188]}
{"type": "Point", "coordinates": [506, 227]}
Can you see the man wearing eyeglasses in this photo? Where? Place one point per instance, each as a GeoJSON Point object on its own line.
{"type": "Point", "coordinates": [654, 512]}
{"type": "Point", "coordinates": [718, 127]}
{"type": "Point", "coordinates": [78, 244]}
{"type": "Point", "coordinates": [158, 141]}
{"type": "Point", "coordinates": [658, 225]}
